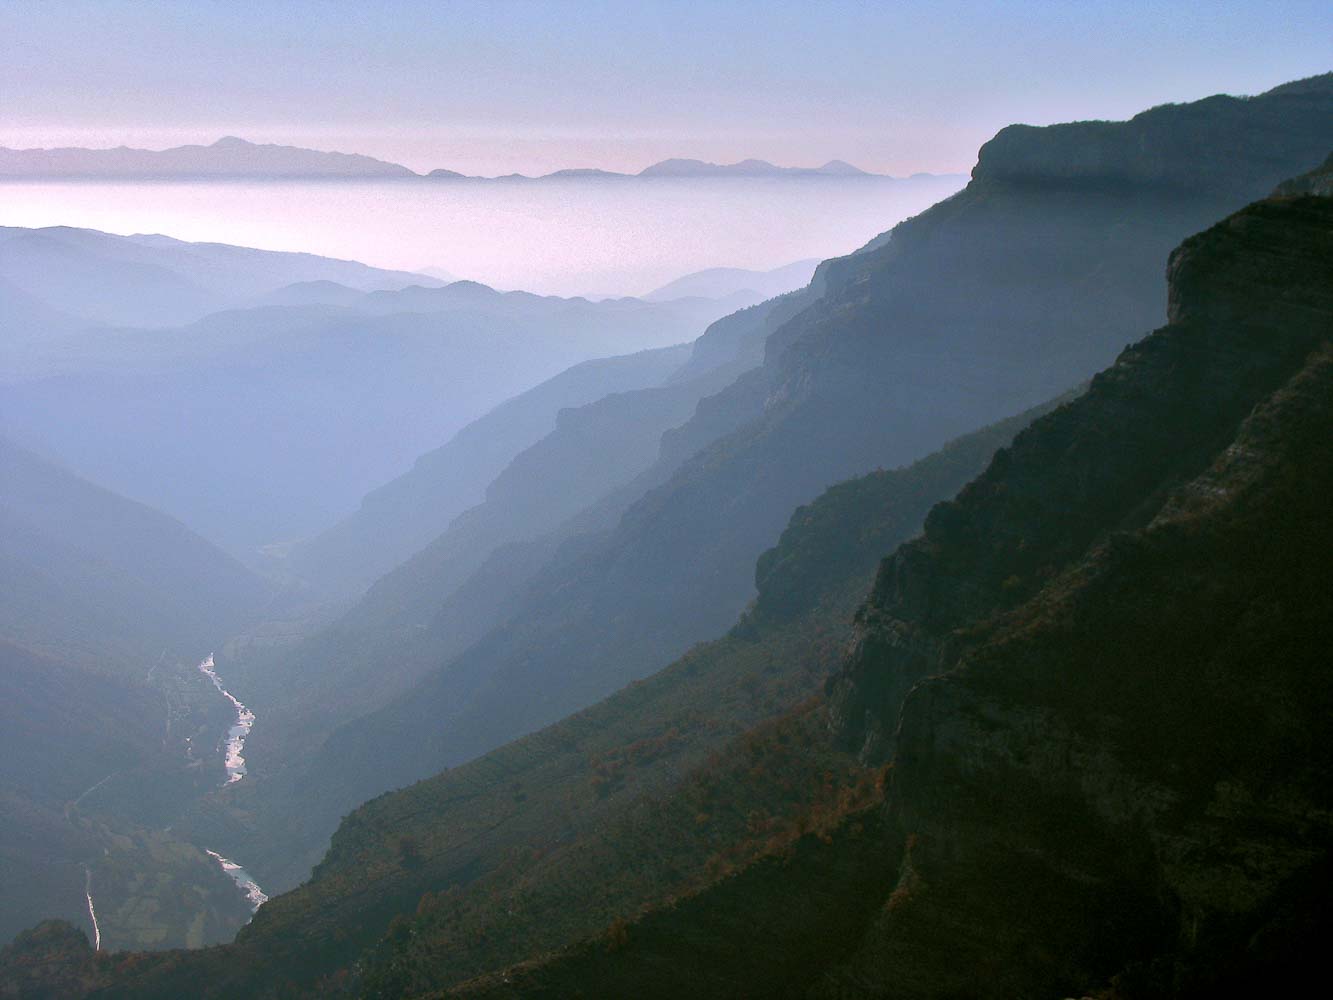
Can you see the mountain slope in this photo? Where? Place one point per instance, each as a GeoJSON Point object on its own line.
{"type": "Point", "coordinates": [1010, 290]}
{"type": "Point", "coordinates": [61, 728]}
{"type": "Point", "coordinates": [402, 516]}
{"type": "Point", "coordinates": [159, 281]}
{"type": "Point", "coordinates": [1108, 729]}
{"type": "Point", "coordinates": [592, 450]}
{"type": "Point", "coordinates": [291, 414]}
{"type": "Point", "coordinates": [1199, 706]}
{"type": "Point", "coordinates": [429, 609]}
{"type": "Point", "coordinates": [106, 606]}
{"type": "Point", "coordinates": [105, 582]}
{"type": "Point", "coordinates": [719, 282]}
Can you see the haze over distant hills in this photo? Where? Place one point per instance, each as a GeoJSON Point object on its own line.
{"type": "Point", "coordinates": [290, 384]}
{"type": "Point", "coordinates": [1092, 683]}
{"type": "Point", "coordinates": [234, 158]}
{"type": "Point", "coordinates": [720, 282]}
{"type": "Point", "coordinates": [573, 510]}
{"type": "Point", "coordinates": [152, 280]}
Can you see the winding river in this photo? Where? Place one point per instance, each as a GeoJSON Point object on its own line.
{"type": "Point", "coordinates": [234, 761]}
{"type": "Point", "coordinates": [241, 877]}
{"type": "Point", "coordinates": [92, 911]}
{"type": "Point", "coordinates": [245, 720]}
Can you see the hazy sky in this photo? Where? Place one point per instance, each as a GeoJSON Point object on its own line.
{"type": "Point", "coordinates": [496, 87]}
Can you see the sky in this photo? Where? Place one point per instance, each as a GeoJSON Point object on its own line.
{"type": "Point", "coordinates": [531, 87]}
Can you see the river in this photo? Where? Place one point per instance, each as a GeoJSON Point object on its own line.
{"type": "Point", "coordinates": [234, 762]}
{"type": "Point", "coordinates": [241, 877]}
{"type": "Point", "coordinates": [92, 911]}
{"type": "Point", "coordinates": [240, 729]}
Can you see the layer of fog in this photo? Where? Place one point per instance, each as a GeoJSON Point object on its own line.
{"type": "Point", "coordinates": [567, 237]}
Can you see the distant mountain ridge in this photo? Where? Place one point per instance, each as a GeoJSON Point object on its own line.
{"type": "Point", "coordinates": [719, 282]}
{"type": "Point", "coordinates": [228, 157]}
{"type": "Point", "coordinates": [155, 280]}
{"type": "Point", "coordinates": [407, 513]}
{"type": "Point", "coordinates": [396, 370]}
{"type": "Point", "coordinates": [231, 158]}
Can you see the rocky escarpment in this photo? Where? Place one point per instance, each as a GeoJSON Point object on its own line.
{"type": "Point", "coordinates": [1162, 146]}
{"type": "Point", "coordinates": [1250, 299]}
{"type": "Point", "coordinates": [1116, 773]}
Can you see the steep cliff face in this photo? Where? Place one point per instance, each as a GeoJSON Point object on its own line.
{"type": "Point", "coordinates": [1035, 275]}
{"type": "Point", "coordinates": [1247, 305]}
{"type": "Point", "coordinates": [1129, 778]}
{"type": "Point", "coordinates": [1162, 147]}
{"type": "Point", "coordinates": [1124, 780]}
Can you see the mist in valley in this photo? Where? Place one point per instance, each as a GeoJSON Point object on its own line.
{"type": "Point", "coordinates": [718, 577]}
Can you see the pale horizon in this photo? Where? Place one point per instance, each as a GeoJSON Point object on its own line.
{"type": "Point", "coordinates": [523, 88]}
